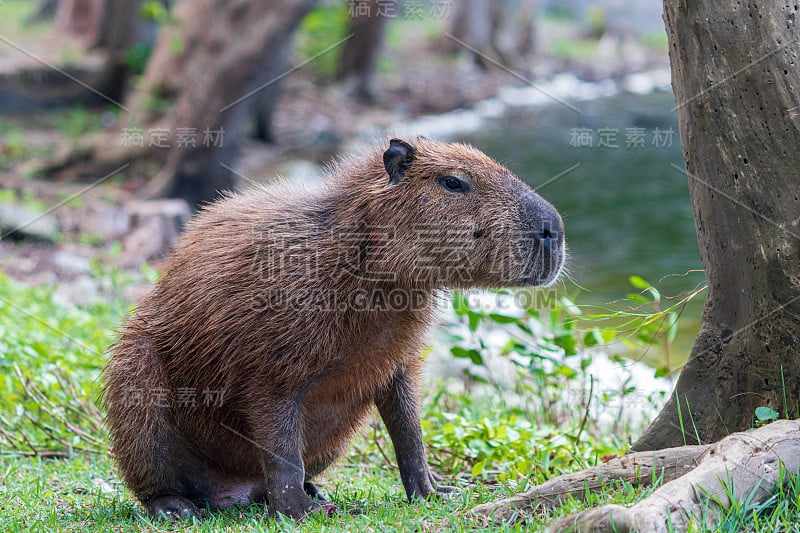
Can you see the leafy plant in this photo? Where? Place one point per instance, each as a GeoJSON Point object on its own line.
{"type": "Point", "coordinates": [324, 26]}
{"type": "Point", "coordinates": [52, 357]}
{"type": "Point", "coordinates": [76, 122]}
{"type": "Point", "coordinates": [12, 146]}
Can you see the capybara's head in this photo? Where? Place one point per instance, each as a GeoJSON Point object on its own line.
{"type": "Point", "coordinates": [447, 215]}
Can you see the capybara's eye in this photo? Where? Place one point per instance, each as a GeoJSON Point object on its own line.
{"type": "Point", "coordinates": [453, 184]}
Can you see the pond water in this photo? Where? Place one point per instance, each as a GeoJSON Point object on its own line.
{"type": "Point", "coordinates": [608, 169]}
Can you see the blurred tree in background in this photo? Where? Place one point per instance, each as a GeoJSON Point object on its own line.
{"type": "Point", "coordinates": [217, 66]}
{"type": "Point", "coordinates": [211, 63]}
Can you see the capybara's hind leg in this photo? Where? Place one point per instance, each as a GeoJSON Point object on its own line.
{"type": "Point", "coordinates": [152, 457]}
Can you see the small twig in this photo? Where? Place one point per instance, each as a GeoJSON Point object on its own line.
{"type": "Point", "coordinates": [55, 411]}
{"type": "Point", "coordinates": [12, 439]}
{"type": "Point", "coordinates": [53, 434]}
{"type": "Point", "coordinates": [586, 411]}
{"type": "Point", "coordinates": [380, 448]}
{"type": "Point", "coordinates": [89, 411]}
{"type": "Point", "coordinates": [45, 454]}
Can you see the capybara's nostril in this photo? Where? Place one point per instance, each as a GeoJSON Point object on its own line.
{"type": "Point", "coordinates": [547, 238]}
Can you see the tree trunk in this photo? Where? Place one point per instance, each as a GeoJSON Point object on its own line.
{"type": "Point", "coordinates": [493, 31]}
{"type": "Point", "coordinates": [267, 100]}
{"type": "Point", "coordinates": [526, 23]}
{"type": "Point", "coordinates": [82, 18]}
{"type": "Point", "coordinates": [368, 22]}
{"type": "Point", "coordinates": [184, 122]}
{"type": "Point", "coordinates": [472, 23]}
{"type": "Point", "coordinates": [108, 24]}
{"type": "Point", "coordinates": [737, 88]}
{"type": "Point", "coordinates": [225, 46]}
{"type": "Point", "coordinates": [45, 10]}
{"type": "Point", "coordinates": [118, 32]}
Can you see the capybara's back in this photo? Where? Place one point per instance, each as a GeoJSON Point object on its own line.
{"type": "Point", "coordinates": [284, 314]}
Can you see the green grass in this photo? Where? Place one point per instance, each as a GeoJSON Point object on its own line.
{"type": "Point", "coordinates": [83, 494]}
{"type": "Point", "coordinates": [575, 49]}
{"type": "Point", "coordinates": [56, 474]}
{"type": "Point", "coordinates": [76, 121]}
{"type": "Point", "coordinates": [12, 20]}
{"type": "Point", "coordinates": [657, 40]}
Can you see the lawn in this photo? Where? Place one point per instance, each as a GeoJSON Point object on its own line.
{"type": "Point", "coordinates": [490, 440]}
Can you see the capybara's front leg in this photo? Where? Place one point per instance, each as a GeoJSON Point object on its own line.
{"type": "Point", "coordinates": [276, 434]}
{"type": "Point", "coordinates": [399, 408]}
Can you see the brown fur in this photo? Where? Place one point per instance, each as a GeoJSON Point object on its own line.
{"type": "Point", "coordinates": [297, 382]}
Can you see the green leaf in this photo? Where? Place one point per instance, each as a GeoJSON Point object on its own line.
{"type": "Point", "coordinates": [460, 304]}
{"type": "Point", "coordinates": [176, 44]}
{"type": "Point", "coordinates": [474, 320]}
{"type": "Point", "coordinates": [503, 319]}
{"type": "Point", "coordinates": [591, 338]}
{"type": "Point", "coordinates": [477, 468]}
{"type": "Point", "coordinates": [637, 298]}
{"type": "Point", "coordinates": [654, 293]}
{"type": "Point", "coordinates": [568, 372]}
{"type": "Point", "coordinates": [570, 306]}
{"type": "Point", "coordinates": [672, 320]}
{"type": "Point", "coordinates": [662, 372]}
{"type": "Point", "coordinates": [608, 335]}
{"type": "Point", "coordinates": [464, 353]}
{"type": "Point", "coordinates": [568, 343]}
{"type": "Point", "coordinates": [153, 10]}
{"type": "Point", "coordinates": [644, 285]}
{"type": "Point", "coordinates": [766, 414]}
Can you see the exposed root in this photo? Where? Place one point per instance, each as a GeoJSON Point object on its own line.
{"type": "Point", "coordinates": [701, 483]}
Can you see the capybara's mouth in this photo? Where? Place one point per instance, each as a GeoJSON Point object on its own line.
{"type": "Point", "coordinates": [546, 266]}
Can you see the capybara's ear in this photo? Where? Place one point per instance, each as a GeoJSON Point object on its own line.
{"type": "Point", "coordinates": [397, 159]}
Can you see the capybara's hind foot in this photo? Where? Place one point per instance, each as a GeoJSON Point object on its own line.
{"type": "Point", "coordinates": [313, 492]}
{"type": "Point", "coordinates": [172, 508]}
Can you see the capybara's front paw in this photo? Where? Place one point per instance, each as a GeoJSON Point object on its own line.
{"type": "Point", "coordinates": [172, 508]}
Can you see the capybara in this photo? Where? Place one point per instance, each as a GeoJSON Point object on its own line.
{"type": "Point", "coordinates": [285, 313]}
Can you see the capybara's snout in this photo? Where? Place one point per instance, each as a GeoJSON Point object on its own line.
{"type": "Point", "coordinates": [541, 242]}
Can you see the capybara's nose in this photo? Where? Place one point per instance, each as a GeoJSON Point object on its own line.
{"type": "Point", "coordinates": [551, 235]}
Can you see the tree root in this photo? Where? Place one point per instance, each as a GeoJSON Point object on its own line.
{"type": "Point", "coordinates": [702, 482]}
{"type": "Point", "coordinates": [92, 157]}
{"type": "Point", "coordinates": [639, 469]}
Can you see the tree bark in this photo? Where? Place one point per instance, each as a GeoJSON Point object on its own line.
{"type": "Point", "coordinates": [81, 17]}
{"type": "Point", "coordinates": [737, 89]}
{"type": "Point", "coordinates": [357, 62]}
{"type": "Point", "coordinates": [745, 466]}
{"type": "Point", "coordinates": [473, 23]}
{"type": "Point", "coordinates": [496, 31]}
{"type": "Point", "coordinates": [526, 24]}
{"type": "Point", "coordinates": [267, 100]}
{"type": "Point", "coordinates": [45, 10]}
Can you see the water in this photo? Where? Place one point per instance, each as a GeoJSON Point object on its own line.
{"type": "Point", "coordinates": [626, 209]}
